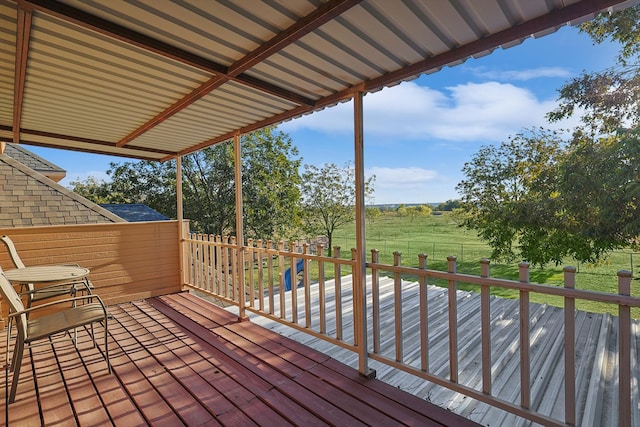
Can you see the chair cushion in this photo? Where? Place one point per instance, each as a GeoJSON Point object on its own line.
{"type": "Point", "coordinates": [64, 320]}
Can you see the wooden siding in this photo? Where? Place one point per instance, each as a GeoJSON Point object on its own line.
{"type": "Point", "coordinates": [127, 260]}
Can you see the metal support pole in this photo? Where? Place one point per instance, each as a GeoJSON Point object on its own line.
{"type": "Point", "coordinates": [360, 271]}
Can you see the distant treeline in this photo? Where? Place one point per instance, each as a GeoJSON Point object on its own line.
{"type": "Point", "coordinates": [449, 205]}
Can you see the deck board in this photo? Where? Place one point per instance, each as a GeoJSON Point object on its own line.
{"type": "Point", "coordinates": [179, 360]}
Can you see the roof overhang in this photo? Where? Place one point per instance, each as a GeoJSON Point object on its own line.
{"type": "Point", "coordinates": [154, 80]}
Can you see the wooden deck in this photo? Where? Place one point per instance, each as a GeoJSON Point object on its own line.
{"type": "Point", "coordinates": [179, 360]}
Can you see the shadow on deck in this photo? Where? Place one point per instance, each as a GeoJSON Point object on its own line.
{"type": "Point", "coordinates": [179, 360]}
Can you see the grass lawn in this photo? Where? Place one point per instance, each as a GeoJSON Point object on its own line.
{"type": "Point", "coordinates": [439, 237]}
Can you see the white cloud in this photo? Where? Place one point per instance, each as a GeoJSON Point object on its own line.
{"type": "Point", "coordinates": [522, 75]}
{"type": "Point", "coordinates": [405, 185]}
{"type": "Point", "coordinates": [488, 111]}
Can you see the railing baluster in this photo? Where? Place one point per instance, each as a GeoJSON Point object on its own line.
{"type": "Point", "coordinates": [225, 265]}
{"type": "Point", "coordinates": [525, 362]}
{"type": "Point", "coordinates": [233, 274]}
{"type": "Point", "coordinates": [375, 301]}
{"type": "Point", "coordinates": [250, 260]}
{"type": "Point", "coordinates": [624, 351]}
{"type": "Point", "coordinates": [424, 316]}
{"type": "Point", "coordinates": [485, 320]}
{"type": "Point", "coordinates": [338, 292]}
{"type": "Point", "coordinates": [294, 286]}
{"type": "Point", "coordinates": [321, 291]}
{"type": "Point", "coordinates": [307, 286]}
{"type": "Point", "coordinates": [270, 273]}
{"type": "Point", "coordinates": [569, 348]}
{"type": "Point", "coordinates": [260, 245]}
{"type": "Point", "coordinates": [453, 321]}
{"type": "Point", "coordinates": [219, 289]}
{"type": "Point", "coordinates": [281, 276]}
{"type": "Point", "coordinates": [397, 307]}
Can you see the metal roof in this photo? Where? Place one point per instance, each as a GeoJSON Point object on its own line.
{"type": "Point", "coordinates": [156, 79]}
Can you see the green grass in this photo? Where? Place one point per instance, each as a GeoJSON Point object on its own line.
{"type": "Point", "coordinates": [439, 237]}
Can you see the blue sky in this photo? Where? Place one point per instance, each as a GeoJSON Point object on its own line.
{"type": "Point", "coordinates": [419, 134]}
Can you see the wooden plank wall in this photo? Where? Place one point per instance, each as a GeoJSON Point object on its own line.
{"type": "Point", "coordinates": [128, 261]}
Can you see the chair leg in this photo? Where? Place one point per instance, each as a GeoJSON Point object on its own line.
{"type": "Point", "coordinates": [106, 343]}
{"type": "Point", "coordinates": [18, 352]}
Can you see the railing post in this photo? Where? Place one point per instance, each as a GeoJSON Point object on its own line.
{"type": "Point", "coordinates": [337, 280]}
{"type": "Point", "coordinates": [485, 320]}
{"type": "Point", "coordinates": [624, 351]}
{"type": "Point", "coordinates": [397, 295]}
{"type": "Point", "coordinates": [307, 288]}
{"type": "Point", "coordinates": [525, 363]}
{"type": "Point", "coordinates": [375, 301]}
{"type": "Point", "coordinates": [260, 245]}
{"type": "Point", "coordinates": [321, 290]}
{"type": "Point", "coordinates": [424, 315]}
{"type": "Point", "coordinates": [569, 348]}
{"type": "Point", "coordinates": [453, 321]}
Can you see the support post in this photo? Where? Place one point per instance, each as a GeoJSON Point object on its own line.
{"type": "Point", "coordinates": [239, 227]}
{"type": "Point", "coordinates": [360, 298]}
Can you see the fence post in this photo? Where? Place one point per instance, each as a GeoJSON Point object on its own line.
{"type": "Point", "coordinates": [624, 351]}
{"type": "Point", "coordinates": [485, 320]}
{"type": "Point", "coordinates": [525, 363]}
{"type": "Point", "coordinates": [570, 348]}
{"type": "Point", "coordinates": [453, 320]}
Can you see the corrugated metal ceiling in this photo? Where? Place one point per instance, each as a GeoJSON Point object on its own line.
{"type": "Point", "coordinates": [156, 78]}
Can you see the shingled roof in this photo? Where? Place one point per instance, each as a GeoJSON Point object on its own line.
{"type": "Point", "coordinates": [35, 162]}
{"type": "Point", "coordinates": [28, 198]}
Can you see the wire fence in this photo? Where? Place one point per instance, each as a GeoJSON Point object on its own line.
{"type": "Point", "coordinates": [472, 253]}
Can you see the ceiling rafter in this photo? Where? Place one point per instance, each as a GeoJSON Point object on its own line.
{"type": "Point", "coordinates": [110, 29]}
{"type": "Point", "coordinates": [304, 26]}
{"type": "Point", "coordinates": [23, 34]}
{"type": "Point", "coordinates": [555, 18]}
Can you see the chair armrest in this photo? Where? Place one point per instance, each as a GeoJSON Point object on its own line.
{"type": "Point", "coordinates": [66, 300]}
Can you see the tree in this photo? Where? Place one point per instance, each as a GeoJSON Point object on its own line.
{"type": "Point", "coordinates": [372, 213]}
{"type": "Point", "coordinates": [544, 198]}
{"type": "Point", "coordinates": [270, 176]}
{"type": "Point", "coordinates": [93, 189]}
{"type": "Point", "coordinates": [505, 190]}
{"type": "Point", "coordinates": [328, 198]}
{"type": "Point", "coordinates": [449, 205]}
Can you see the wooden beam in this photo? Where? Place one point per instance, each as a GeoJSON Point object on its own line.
{"type": "Point", "coordinates": [210, 85]}
{"type": "Point", "coordinates": [23, 34]}
{"type": "Point", "coordinates": [304, 26]}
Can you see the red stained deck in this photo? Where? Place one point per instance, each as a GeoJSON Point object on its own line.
{"type": "Point", "coordinates": [179, 360]}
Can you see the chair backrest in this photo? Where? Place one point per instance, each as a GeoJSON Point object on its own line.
{"type": "Point", "coordinates": [13, 253]}
{"type": "Point", "coordinates": [12, 298]}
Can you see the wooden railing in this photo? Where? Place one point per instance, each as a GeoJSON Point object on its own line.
{"type": "Point", "coordinates": [213, 268]}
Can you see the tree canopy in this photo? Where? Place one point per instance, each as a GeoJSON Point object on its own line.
{"type": "Point", "coordinates": [270, 186]}
{"type": "Point", "coordinates": [329, 197]}
{"type": "Point", "coordinates": [544, 197]}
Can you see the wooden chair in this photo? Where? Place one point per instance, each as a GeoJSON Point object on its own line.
{"type": "Point", "coordinates": [46, 292]}
{"type": "Point", "coordinates": [93, 310]}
